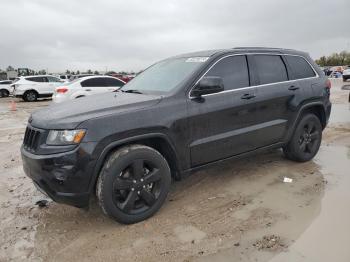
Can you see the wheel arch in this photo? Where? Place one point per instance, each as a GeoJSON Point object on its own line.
{"type": "Point", "coordinates": [32, 89]}
{"type": "Point", "coordinates": [316, 108]}
{"type": "Point", "coordinates": [157, 141]}
{"type": "Point", "coordinates": [4, 89]}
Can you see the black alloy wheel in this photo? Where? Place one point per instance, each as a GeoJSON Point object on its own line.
{"type": "Point", "coordinates": [306, 139]}
{"type": "Point", "coordinates": [133, 183]}
{"type": "Point", "coordinates": [309, 138]}
{"type": "Point", "coordinates": [137, 187]}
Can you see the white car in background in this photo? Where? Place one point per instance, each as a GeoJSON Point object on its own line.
{"type": "Point", "coordinates": [346, 74]}
{"type": "Point", "coordinates": [86, 86]}
{"type": "Point", "coordinates": [30, 88]}
{"type": "Point", "coordinates": [64, 78]}
{"type": "Point", "coordinates": [5, 88]}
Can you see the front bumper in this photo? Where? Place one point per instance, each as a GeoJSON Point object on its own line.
{"type": "Point", "coordinates": [64, 177]}
{"type": "Point", "coordinates": [18, 93]}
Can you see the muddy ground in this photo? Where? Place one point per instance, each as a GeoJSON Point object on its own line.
{"type": "Point", "coordinates": [237, 211]}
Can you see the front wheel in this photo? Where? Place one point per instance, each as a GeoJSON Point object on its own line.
{"type": "Point", "coordinates": [306, 140]}
{"type": "Point", "coordinates": [133, 183]}
{"type": "Point", "coordinates": [30, 96]}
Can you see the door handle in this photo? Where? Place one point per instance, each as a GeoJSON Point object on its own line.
{"type": "Point", "coordinates": [87, 89]}
{"type": "Point", "coordinates": [247, 96]}
{"type": "Point", "coordinates": [293, 88]}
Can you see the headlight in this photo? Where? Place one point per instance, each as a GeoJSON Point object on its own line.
{"type": "Point", "coordinates": [65, 137]}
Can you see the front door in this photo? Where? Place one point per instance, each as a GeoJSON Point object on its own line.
{"type": "Point", "coordinates": [220, 124]}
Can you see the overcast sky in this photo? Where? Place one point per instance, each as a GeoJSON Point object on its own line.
{"type": "Point", "coordinates": [129, 35]}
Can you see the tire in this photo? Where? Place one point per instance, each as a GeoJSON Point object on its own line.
{"type": "Point", "coordinates": [122, 189]}
{"type": "Point", "coordinates": [4, 93]}
{"type": "Point", "coordinates": [306, 139]}
{"type": "Point", "coordinates": [30, 96]}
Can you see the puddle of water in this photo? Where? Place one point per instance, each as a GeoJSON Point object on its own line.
{"type": "Point", "coordinates": [328, 236]}
{"type": "Point", "coordinates": [4, 108]}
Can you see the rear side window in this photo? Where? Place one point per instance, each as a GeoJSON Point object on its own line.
{"type": "Point", "coordinates": [93, 82]}
{"type": "Point", "coordinates": [53, 79]}
{"type": "Point", "coordinates": [300, 67]}
{"type": "Point", "coordinates": [233, 70]}
{"type": "Point", "coordinates": [113, 82]}
{"type": "Point", "coordinates": [270, 69]}
{"type": "Point", "coordinates": [37, 79]}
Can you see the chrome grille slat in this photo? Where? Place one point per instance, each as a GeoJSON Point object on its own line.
{"type": "Point", "coordinates": [31, 139]}
{"type": "Point", "coordinates": [26, 136]}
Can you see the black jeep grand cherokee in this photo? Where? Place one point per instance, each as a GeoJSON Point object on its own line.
{"type": "Point", "coordinates": [180, 114]}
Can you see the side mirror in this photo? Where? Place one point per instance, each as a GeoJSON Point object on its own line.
{"type": "Point", "coordinates": [208, 85]}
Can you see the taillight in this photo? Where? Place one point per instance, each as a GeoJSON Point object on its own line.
{"type": "Point", "coordinates": [329, 84]}
{"type": "Point", "coordinates": [61, 90]}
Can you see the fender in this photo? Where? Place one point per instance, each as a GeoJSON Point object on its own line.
{"type": "Point", "coordinates": [107, 149]}
{"type": "Point", "coordinates": [299, 114]}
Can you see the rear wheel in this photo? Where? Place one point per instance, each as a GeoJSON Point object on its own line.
{"type": "Point", "coordinates": [133, 183]}
{"type": "Point", "coordinates": [4, 93]}
{"type": "Point", "coordinates": [306, 139]}
{"type": "Point", "coordinates": [30, 96]}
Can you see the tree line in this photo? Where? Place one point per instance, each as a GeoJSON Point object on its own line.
{"type": "Point", "coordinates": [335, 59]}
{"type": "Point", "coordinates": [72, 72]}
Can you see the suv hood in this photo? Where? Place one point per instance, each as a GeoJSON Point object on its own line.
{"type": "Point", "coordinates": [70, 114]}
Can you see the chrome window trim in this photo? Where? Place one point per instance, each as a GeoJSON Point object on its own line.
{"type": "Point", "coordinates": [249, 87]}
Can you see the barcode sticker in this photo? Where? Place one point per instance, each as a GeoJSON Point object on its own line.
{"type": "Point", "coordinates": [200, 59]}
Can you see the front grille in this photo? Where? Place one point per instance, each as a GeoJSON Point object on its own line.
{"type": "Point", "coordinates": [31, 139]}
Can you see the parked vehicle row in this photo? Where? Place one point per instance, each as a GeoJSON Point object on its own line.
{"type": "Point", "coordinates": [180, 114]}
{"type": "Point", "coordinates": [31, 88]}
{"type": "Point", "coordinates": [346, 74]}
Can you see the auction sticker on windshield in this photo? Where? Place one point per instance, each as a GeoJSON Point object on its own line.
{"type": "Point", "coordinates": [197, 59]}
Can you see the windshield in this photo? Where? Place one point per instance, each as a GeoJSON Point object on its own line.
{"type": "Point", "coordinates": [164, 76]}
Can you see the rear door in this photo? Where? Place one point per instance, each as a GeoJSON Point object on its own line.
{"type": "Point", "coordinates": [302, 73]}
{"type": "Point", "coordinates": [94, 85]}
{"type": "Point", "coordinates": [113, 84]}
{"type": "Point", "coordinates": [39, 83]}
{"type": "Point", "coordinates": [276, 97]}
{"type": "Point", "coordinates": [220, 124]}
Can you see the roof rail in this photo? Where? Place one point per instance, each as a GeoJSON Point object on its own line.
{"type": "Point", "coordinates": [261, 48]}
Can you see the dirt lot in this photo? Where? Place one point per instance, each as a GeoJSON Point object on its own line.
{"type": "Point", "coordinates": [239, 211]}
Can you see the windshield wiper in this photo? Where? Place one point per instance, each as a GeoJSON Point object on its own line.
{"type": "Point", "coordinates": [133, 91]}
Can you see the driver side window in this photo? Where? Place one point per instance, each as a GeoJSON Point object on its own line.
{"type": "Point", "coordinates": [233, 70]}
